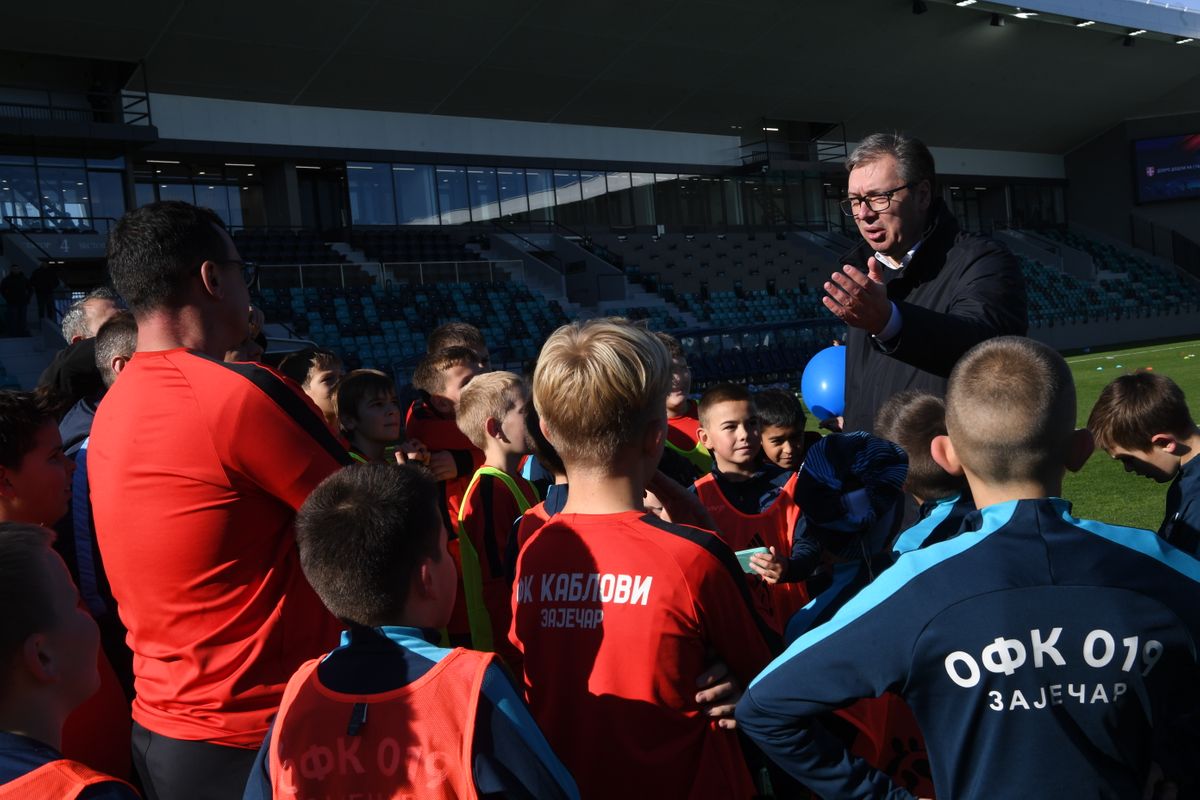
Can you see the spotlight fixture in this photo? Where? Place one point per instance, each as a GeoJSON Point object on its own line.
{"type": "Point", "coordinates": [997, 21]}
{"type": "Point", "coordinates": [965, 3]}
{"type": "Point", "coordinates": [1184, 41]}
{"type": "Point", "coordinates": [1085, 23]}
{"type": "Point", "coordinates": [1024, 14]}
{"type": "Point", "coordinates": [919, 7]}
{"type": "Point", "coordinates": [1138, 32]}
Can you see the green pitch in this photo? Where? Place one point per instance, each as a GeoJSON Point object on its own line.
{"type": "Point", "coordinates": [1102, 490]}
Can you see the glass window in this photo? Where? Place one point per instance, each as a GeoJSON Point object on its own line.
{"type": "Point", "coordinates": [143, 194]}
{"type": "Point", "coordinates": [485, 200]}
{"type": "Point", "coordinates": [106, 163]}
{"type": "Point", "coordinates": [568, 195]}
{"type": "Point", "coordinates": [512, 191]}
{"type": "Point", "coordinates": [754, 200]}
{"type": "Point", "coordinates": [106, 193]}
{"type": "Point", "coordinates": [453, 197]}
{"type": "Point", "coordinates": [541, 194]}
{"type": "Point", "coordinates": [692, 201]}
{"type": "Point", "coordinates": [64, 191]}
{"type": "Point", "coordinates": [19, 195]}
{"type": "Point", "coordinates": [416, 202]}
{"type": "Point", "coordinates": [620, 199]}
{"type": "Point", "coordinates": [176, 191]}
{"type": "Point", "coordinates": [214, 196]}
{"type": "Point", "coordinates": [371, 198]}
{"type": "Point", "coordinates": [666, 199]}
{"type": "Point", "coordinates": [643, 198]}
{"type": "Point", "coordinates": [595, 203]}
{"type": "Point", "coordinates": [250, 204]}
{"type": "Point", "coordinates": [714, 200]}
{"type": "Point", "coordinates": [733, 202]}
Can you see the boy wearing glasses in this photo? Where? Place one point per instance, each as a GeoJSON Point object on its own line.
{"type": "Point", "coordinates": [917, 292]}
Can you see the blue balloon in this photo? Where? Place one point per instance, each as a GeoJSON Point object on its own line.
{"type": "Point", "coordinates": [823, 384]}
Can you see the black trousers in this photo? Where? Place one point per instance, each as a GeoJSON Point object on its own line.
{"type": "Point", "coordinates": [174, 769]}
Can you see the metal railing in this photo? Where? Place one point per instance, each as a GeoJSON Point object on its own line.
{"type": "Point", "coordinates": [452, 271]}
{"type": "Point", "coordinates": [50, 224]}
{"type": "Point", "coordinates": [1164, 242]}
{"type": "Point", "coordinates": [122, 107]}
{"type": "Point", "coordinates": [387, 273]}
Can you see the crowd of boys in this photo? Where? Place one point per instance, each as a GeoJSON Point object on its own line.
{"type": "Point", "coordinates": [296, 583]}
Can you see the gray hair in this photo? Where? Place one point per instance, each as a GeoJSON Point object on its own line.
{"type": "Point", "coordinates": [117, 337]}
{"type": "Point", "coordinates": [75, 322]}
{"type": "Point", "coordinates": [913, 159]}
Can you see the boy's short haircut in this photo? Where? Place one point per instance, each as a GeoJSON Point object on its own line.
{"type": "Point", "coordinates": [597, 384]}
{"type": "Point", "coordinates": [362, 534]}
{"type": "Point", "coordinates": [22, 416]}
{"type": "Point", "coordinates": [1010, 410]}
{"type": "Point", "coordinates": [357, 386]}
{"type": "Point", "coordinates": [455, 334]}
{"type": "Point", "coordinates": [1134, 408]}
{"type": "Point", "coordinates": [543, 451]}
{"type": "Point", "coordinates": [302, 364]}
{"type": "Point", "coordinates": [28, 606]}
{"type": "Point", "coordinates": [116, 337]}
{"type": "Point", "coordinates": [487, 396]}
{"type": "Point", "coordinates": [721, 393]}
{"type": "Point", "coordinates": [777, 408]}
{"type": "Point", "coordinates": [912, 419]}
{"type": "Point", "coordinates": [674, 348]}
{"type": "Point", "coordinates": [430, 374]}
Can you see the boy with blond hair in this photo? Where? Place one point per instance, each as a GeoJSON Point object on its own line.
{"type": "Point", "coordinates": [1143, 421]}
{"type": "Point", "coordinates": [491, 413]}
{"type": "Point", "coordinates": [1035, 639]}
{"type": "Point", "coordinates": [440, 379]}
{"type": "Point", "coordinates": [616, 612]}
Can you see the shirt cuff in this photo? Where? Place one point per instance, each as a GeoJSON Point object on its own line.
{"type": "Point", "coordinates": [891, 331]}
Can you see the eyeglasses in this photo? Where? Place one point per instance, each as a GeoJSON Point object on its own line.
{"type": "Point", "coordinates": [880, 201]}
{"type": "Point", "coordinates": [249, 269]}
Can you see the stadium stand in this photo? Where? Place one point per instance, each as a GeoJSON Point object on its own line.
{"type": "Point", "coordinates": [386, 328]}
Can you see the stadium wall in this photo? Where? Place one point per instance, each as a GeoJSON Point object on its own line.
{"type": "Point", "coordinates": [204, 119]}
{"type": "Point", "coordinates": [1100, 181]}
{"type": "Point", "coordinates": [1127, 331]}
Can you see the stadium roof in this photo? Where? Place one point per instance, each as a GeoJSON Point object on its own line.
{"type": "Point", "coordinates": [712, 66]}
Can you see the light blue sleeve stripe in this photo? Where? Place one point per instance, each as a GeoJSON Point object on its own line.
{"type": "Point", "coordinates": [1142, 541]}
{"type": "Point", "coordinates": [893, 579]}
{"type": "Point", "coordinates": [499, 689]}
{"type": "Point", "coordinates": [914, 537]}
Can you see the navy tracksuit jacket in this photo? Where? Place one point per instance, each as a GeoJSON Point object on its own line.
{"type": "Point", "coordinates": [1043, 656]}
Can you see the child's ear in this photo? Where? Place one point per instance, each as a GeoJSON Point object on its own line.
{"type": "Point", "coordinates": [426, 586]}
{"type": "Point", "coordinates": [492, 428]}
{"type": "Point", "coordinates": [1080, 447]}
{"type": "Point", "coordinates": [1165, 442]}
{"type": "Point", "coordinates": [702, 436]}
{"type": "Point", "coordinates": [36, 660]}
{"type": "Point", "coordinates": [942, 451]}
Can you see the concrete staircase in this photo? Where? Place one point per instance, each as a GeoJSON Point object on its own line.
{"type": "Point", "coordinates": [24, 358]}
